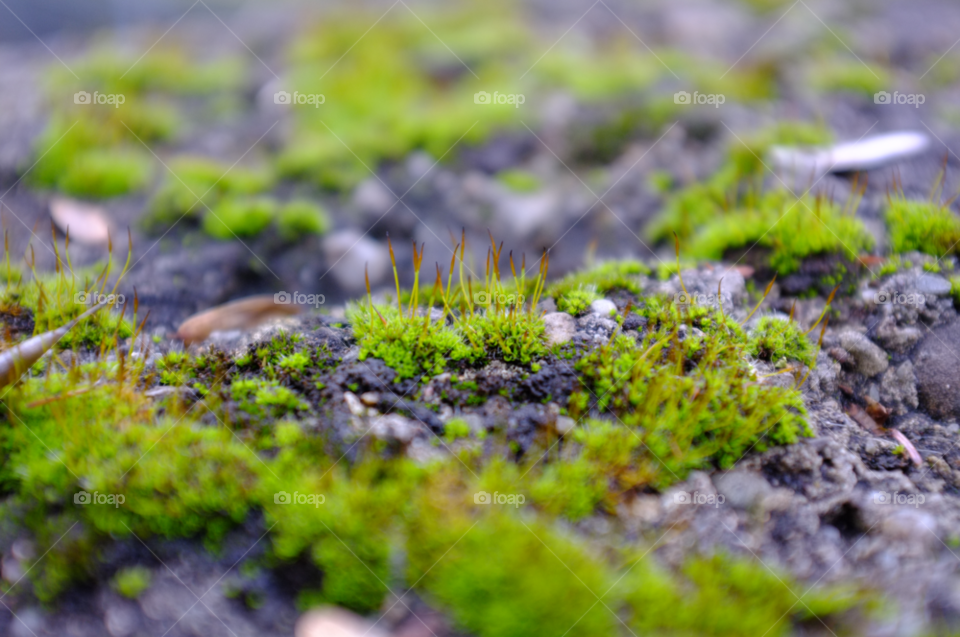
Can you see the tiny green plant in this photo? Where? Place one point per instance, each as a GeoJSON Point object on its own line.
{"type": "Point", "coordinates": [491, 319]}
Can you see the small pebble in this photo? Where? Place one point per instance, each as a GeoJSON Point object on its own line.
{"type": "Point", "coordinates": [933, 284]}
{"type": "Point", "coordinates": [603, 307]}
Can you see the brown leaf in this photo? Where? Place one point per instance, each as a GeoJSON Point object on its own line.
{"type": "Point", "coordinates": [244, 314]}
{"type": "Point", "coordinates": [87, 223]}
{"type": "Point", "coordinates": [877, 411]}
{"type": "Point", "coordinates": [863, 419]}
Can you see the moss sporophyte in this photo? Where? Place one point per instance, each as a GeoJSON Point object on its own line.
{"type": "Point", "coordinates": [492, 319]}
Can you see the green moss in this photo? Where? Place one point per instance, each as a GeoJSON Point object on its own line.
{"type": "Point", "coordinates": [411, 346]}
{"type": "Point", "coordinates": [736, 183]}
{"type": "Point", "coordinates": [775, 339]}
{"type": "Point", "coordinates": [300, 217]}
{"type": "Point", "coordinates": [519, 180]}
{"type": "Point", "coordinates": [922, 226]}
{"type": "Point", "coordinates": [692, 403]}
{"type": "Point", "coordinates": [105, 173]}
{"type": "Point", "coordinates": [849, 75]}
{"type": "Point", "coordinates": [605, 277]}
{"type": "Point", "coordinates": [577, 301]}
{"type": "Point", "coordinates": [791, 229]}
{"type": "Point", "coordinates": [456, 428]}
{"type": "Point", "coordinates": [199, 183]}
{"type": "Point", "coordinates": [132, 581]}
{"type": "Point", "coordinates": [755, 599]}
{"type": "Point", "coordinates": [241, 217]}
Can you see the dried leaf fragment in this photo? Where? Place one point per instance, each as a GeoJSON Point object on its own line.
{"type": "Point", "coordinates": [244, 314]}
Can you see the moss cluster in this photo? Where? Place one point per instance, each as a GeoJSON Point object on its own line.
{"type": "Point", "coordinates": [791, 229]}
{"type": "Point", "coordinates": [687, 394]}
{"type": "Point", "coordinates": [610, 276]}
{"type": "Point", "coordinates": [737, 183]}
{"type": "Point", "coordinates": [922, 226]}
{"type": "Point", "coordinates": [96, 149]}
{"type": "Point", "coordinates": [777, 339]}
{"type": "Point", "coordinates": [577, 301]}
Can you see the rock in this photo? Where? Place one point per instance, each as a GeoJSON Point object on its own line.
{"type": "Point", "coordinates": [354, 404]}
{"type": "Point", "coordinates": [372, 198]}
{"type": "Point", "coordinates": [349, 253]}
{"type": "Point", "coordinates": [742, 489]}
{"type": "Point", "coordinates": [898, 388]}
{"type": "Point", "coordinates": [910, 525]}
{"type": "Point", "coordinates": [370, 398]}
{"type": "Point", "coordinates": [121, 619]}
{"type": "Point", "coordinates": [932, 284]}
{"type": "Point", "coordinates": [870, 358]}
{"type": "Point", "coordinates": [603, 307]}
{"type": "Point", "coordinates": [528, 215]}
{"type": "Point", "coordinates": [394, 427]}
{"type": "Point", "coordinates": [335, 622]}
{"type": "Point", "coordinates": [565, 424]}
{"type": "Point", "coordinates": [894, 338]}
{"type": "Point", "coordinates": [596, 328]}
{"type": "Point", "coordinates": [560, 327]}
{"type": "Point", "coordinates": [937, 368]}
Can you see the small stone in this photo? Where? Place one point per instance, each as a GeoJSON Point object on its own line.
{"type": "Point", "coordinates": [565, 424]}
{"type": "Point", "coordinates": [353, 404]}
{"type": "Point", "coordinates": [742, 489]}
{"type": "Point", "coordinates": [603, 307]}
{"type": "Point", "coordinates": [372, 197]}
{"type": "Point", "coordinates": [349, 254]}
{"type": "Point", "coordinates": [334, 622]}
{"type": "Point", "coordinates": [370, 398]}
{"type": "Point", "coordinates": [121, 620]}
{"type": "Point", "coordinates": [894, 338]}
{"type": "Point", "coordinates": [870, 358]}
{"type": "Point", "coordinates": [898, 388]}
{"type": "Point", "coordinates": [937, 368]}
{"type": "Point", "coordinates": [560, 327]}
{"type": "Point", "coordinates": [910, 525]}
{"type": "Point", "coordinates": [394, 427]}
{"type": "Point", "coordinates": [933, 284]}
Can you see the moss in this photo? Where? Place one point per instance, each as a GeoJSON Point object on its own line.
{"type": "Point", "coordinates": [922, 226]}
{"type": "Point", "coordinates": [791, 229]}
{"type": "Point", "coordinates": [849, 75]}
{"type": "Point", "coordinates": [736, 183]}
{"type": "Point", "coordinates": [197, 184]}
{"type": "Point", "coordinates": [605, 277]}
{"type": "Point", "coordinates": [132, 581]}
{"type": "Point", "coordinates": [577, 301]}
{"type": "Point", "coordinates": [300, 217]}
{"type": "Point", "coordinates": [411, 346]}
{"type": "Point", "coordinates": [755, 599]}
{"type": "Point", "coordinates": [776, 339]}
{"type": "Point", "coordinates": [239, 217]}
{"type": "Point", "coordinates": [456, 428]}
{"type": "Point", "coordinates": [519, 180]}
{"type": "Point", "coordinates": [106, 173]}
{"type": "Point", "coordinates": [695, 400]}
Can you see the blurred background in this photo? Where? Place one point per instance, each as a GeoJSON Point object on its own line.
{"type": "Point", "coordinates": [228, 191]}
